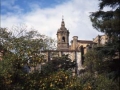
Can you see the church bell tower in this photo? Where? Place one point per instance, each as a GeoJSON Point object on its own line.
{"type": "Point", "coordinates": [62, 37]}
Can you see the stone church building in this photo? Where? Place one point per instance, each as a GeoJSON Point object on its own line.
{"type": "Point", "coordinates": [76, 50]}
{"type": "Point", "coordinates": [63, 40]}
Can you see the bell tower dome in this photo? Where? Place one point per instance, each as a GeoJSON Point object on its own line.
{"type": "Point", "coordinates": [62, 37]}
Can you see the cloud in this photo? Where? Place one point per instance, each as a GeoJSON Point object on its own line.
{"type": "Point", "coordinates": [48, 20]}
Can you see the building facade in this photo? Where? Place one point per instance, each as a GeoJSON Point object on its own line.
{"type": "Point", "coordinates": [76, 49]}
{"type": "Point", "coordinates": [100, 40]}
{"type": "Point", "coordinates": [63, 40]}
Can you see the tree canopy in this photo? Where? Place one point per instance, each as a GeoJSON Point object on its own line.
{"type": "Point", "coordinates": [107, 21]}
{"type": "Point", "coordinates": [105, 60]}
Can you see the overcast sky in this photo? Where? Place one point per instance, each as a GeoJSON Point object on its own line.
{"type": "Point", "coordinates": [46, 16]}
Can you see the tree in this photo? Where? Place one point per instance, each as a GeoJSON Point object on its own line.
{"type": "Point", "coordinates": [101, 72]}
{"type": "Point", "coordinates": [108, 21]}
{"type": "Point", "coordinates": [94, 61]}
{"type": "Point", "coordinates": [20, 46]}
{"type": "Point", "coordinates": [58, 63]}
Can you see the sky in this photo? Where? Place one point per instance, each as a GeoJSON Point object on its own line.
{"type": "Point", "coordinates": [45, 16]}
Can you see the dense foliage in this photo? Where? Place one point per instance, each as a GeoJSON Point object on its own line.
{"type": "Point", "coordinates": [104, 61]}
{"type": "Point", "coordinates": [18, 48]}
{"type": "Point", "coordinates": [59, 63]}
{"type": "Point", "coordinates": [108, 21]}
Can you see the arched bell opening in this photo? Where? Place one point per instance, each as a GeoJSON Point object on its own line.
{"type": "Point", "coordinates": [63, 39]}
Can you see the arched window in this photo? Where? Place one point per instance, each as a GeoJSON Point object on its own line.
{"type": "Point", "coordinates": [63, 39]}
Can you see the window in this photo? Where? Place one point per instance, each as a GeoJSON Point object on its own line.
{"type": "Point", "coordinates": [63, 39]}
